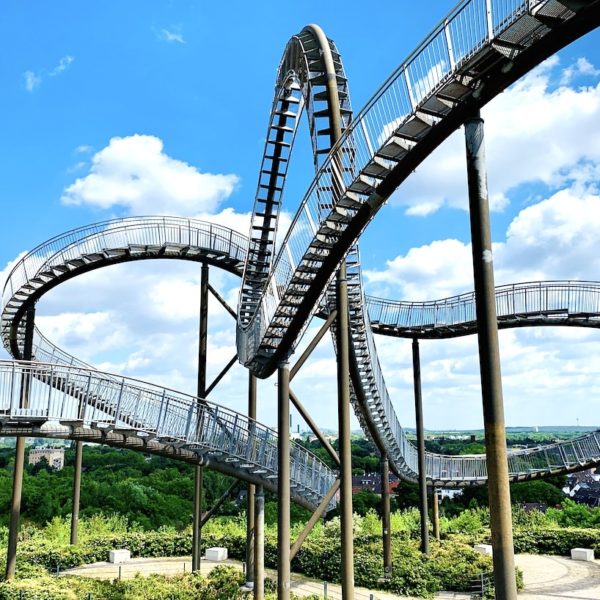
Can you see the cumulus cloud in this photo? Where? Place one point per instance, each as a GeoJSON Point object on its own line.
{"type": "Point", "coordinates": [554, 238]}
{"type": "Point", "coordinates": [533, 135]}
{"type": "Point", "coordinates": [135, 174]}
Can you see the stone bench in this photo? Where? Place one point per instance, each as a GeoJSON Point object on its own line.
{"type": "Point", "coordinates": [484, 549]}
{"type": "Point", "coordinates": [586, 554]}
{"type": "Point", "coordinates": [216, 554]}
{"type": "Point", "coordinates": [119, 556]}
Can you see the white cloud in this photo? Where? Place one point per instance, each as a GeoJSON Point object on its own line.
{"type": "Point", "coordinates": [135, 173]}
{"type": "Point", "coordinates": [533, 135]}
{"type": "Point", "coordinates": [581, 68]}
{"type": "Point", "coordinates": [172, 36]}
{"type": "Point", "coordinates": [32, 81]}
{"type": "Point", "coordinates": [556, 238]}
{"type": "Point", "coordinates": [63, 64]}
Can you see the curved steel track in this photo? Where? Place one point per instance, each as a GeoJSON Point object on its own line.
{"type": "Point", "coordinates": [70, 399]}
{"type": "Point", "coordinates": [469, 58]}
{"type": "Point", "coordinates": [481, 48]}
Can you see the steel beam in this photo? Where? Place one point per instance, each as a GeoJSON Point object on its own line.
{"type": "Point", "coordinates": [314, 427]}
{"type": "Point", "coordinates": [259, 544]}
{"type": "Point", "coordinates": [17, 490]}
{"type": "Point", "coordinates": [345, 450]}
{"type": "Point", "coordinates": [76, 491]}
{"type": "Point", "coordinates": [220, 376]}
{"type": "Point", "coordinates": [489, 363]}
{"type": "Point", "coordinates": [314, 518]}
{"type": "Point", "coordinates": [435, 512]}
{"type": "Point", "coordinates": [200, 393]}
{"type": "Point", "coordinates": [251, 490]}
{"type": "Point", "coordinates": [196, 526]}
{"type": "Point", "coordinates": [283, 482]}
{"type": "Point", "coordinates": [222, 300]}
{"type": "Point", "coordinates": [420, 447]}
{"type": "Point", "coordinates": [217, 505]}
{"type": "Point", "coordinates": [313, 344]}
{"type": "Point", "coordinates": [386, 517]}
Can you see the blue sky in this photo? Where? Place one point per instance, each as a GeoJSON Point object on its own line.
{"type": "Point", "coordinates": [165, 90]}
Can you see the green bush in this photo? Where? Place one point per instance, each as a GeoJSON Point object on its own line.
{"type": "Point", "coordinates": [556, 541]}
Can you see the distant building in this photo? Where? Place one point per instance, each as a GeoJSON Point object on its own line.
{"type": "Point", "coordinates": [372, 483]}
{"type": "Point", "coordinates": [54, 456]}
{"type": "Point", "coordinates": [584, 487]}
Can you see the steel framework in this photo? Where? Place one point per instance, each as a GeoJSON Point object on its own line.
{"type": "Point", "coordinates": [479, 49]}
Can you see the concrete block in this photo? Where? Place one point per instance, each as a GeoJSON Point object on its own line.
{"type": "Point", "coordinates": [484, 549]}
{"type": "Point", "coordinates": [586, 554]}
{"type": "Point", "coordinates": [119, 556]}
{"type": "Point", "coordinates": [216, 554]}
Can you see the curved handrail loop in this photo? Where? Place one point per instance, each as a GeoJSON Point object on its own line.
{"type": "Point", "coordinates": [76, 403]}
{"type": "Point", "coordinates": [476, 52]}
{"type": "Point", "coordinates": [534, 303]}
{"type": "Point", "coordinates": [310, 74]}
{"type": "Point", "coordinates": [110, 242]}
{"type": "Point", "coordinates": [115, 397]}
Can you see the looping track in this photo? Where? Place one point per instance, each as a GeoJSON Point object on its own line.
{"type": "Point", "coordinates": [468, 59]}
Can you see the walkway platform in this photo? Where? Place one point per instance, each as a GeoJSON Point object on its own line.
{"type": "Point", "coordinates": [546, 577]}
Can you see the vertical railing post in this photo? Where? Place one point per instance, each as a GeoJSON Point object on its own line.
{"type": "Point", "coordinates": [283, 482]}
{"type": "Point", "coordinates": [15, 506]}
{"type": "Point", "coordinates": [250, 511]}
{"type": "Point", "coordinates": [76, 491]}
{"type": "Point", "coordinates": [489, 362]}
{"type": "Point", "coordinates": [259, 545]}
{"type": "Point", "coordinates": [420, 447]}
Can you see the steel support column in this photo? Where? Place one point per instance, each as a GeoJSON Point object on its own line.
{"type": "Point", "coordinates": [435, 512]}
{"type": "Point", "coordinates": [386, 517]}
{"type": "Point", "coordinates": [196, 528]}
{"type": "Point", "coordinates": [345, 451]}
{"type": "Point", "coordinates": [76, 491]}
{"type": "Point", "coordinates": [489, 364]}
{"type": "Point", "coordinates": [15, 505]}
{"type": "Point", "coordinates": [250, 510]}
{"type": "Point", "coordinates": [420, 447]}
{"type": "Point", "coordinates": [201, 393]}
{"type": "Point", "coordinates": [283, 482]}
{"type": "Point", "coordinates": [259, 544]}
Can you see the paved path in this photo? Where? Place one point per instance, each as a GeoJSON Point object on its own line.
{"type": "Point", "coordinates": [557, 577]}
{"type": "Point", "coordinates": [545, 577]}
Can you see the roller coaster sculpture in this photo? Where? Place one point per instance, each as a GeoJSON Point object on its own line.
{"type": "Point", "coordinates": [475, 53]}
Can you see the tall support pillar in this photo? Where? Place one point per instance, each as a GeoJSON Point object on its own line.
{"type": "Point", "coordinates": [435, 510]}
{"type": "Point", "coordinates": [250, 511]}
{"type": "Point", "coordinates": [196, 531]}
{"type": "Point", "coordinates": [259, 544]}
{"type": "Point", "coordinates": [201, 392]}
{"type": "Point", "coordinates": [420, 447]}
{"type": "Point", "coordinates": [489, 364]}
{"type": "Point", "coordinates": [345, 452]}
{"type": "Point", "coordinates": [15, 505]}
{"type": "Point", "coordinates": [283, 482]}
{"type": "Point", "coordinates": [385, 517]}
{"type": "Point", "coordinates": [76, 491]}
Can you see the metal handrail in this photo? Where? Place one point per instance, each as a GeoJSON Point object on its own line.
{"type": "Point", "coordinates": [56, 393]}
{"type": "Point", "coordinates": [472, 25]}
{"type": "Point", "coordinates": [558, 298]}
